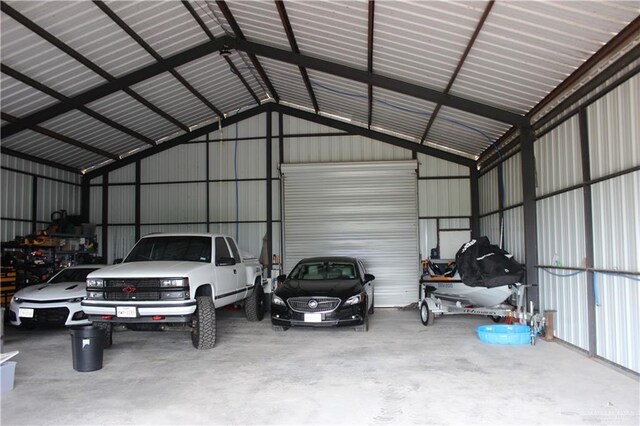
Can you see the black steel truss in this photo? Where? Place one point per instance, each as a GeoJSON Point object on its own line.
{"type": "Point", "coordinates": [62, 138]}
{"type": "Point", "coordinates": [232, 66]}
{"type": "Point", "coordinates": [294, 47]}
{"type": "Point", "coordinates": [134, 35]}
{"type": "Point", "coordinates": [27, 121]}
{"type": "Point", "coordinates": [370, 59]}
{"type": "Point", "coordinates": [33, 158]}
{"type": "Point", "coordinates": [49, 91]}
{"type": "Point", "coordinates": [463, 58]}
{"type": "Point", "coordinates": [254, 59]}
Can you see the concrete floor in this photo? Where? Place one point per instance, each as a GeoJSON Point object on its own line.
{"type": "Point", "coordinates": [400, 372]}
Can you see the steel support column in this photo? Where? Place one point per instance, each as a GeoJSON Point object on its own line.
{"type": "Point", "coordinates": [588, 230]}
{"type": "Point", "coordinates": [105, 218]}
{"type": "Point", "coordinates": [34, 204]}
{"type": "Point", "coordinates": [475, 202]}
{"type": "Point", "coordinates": [269, 147]}
{"type": "Point", "coordinates": [529, 206]}
{"type": "Point", "coordinates": [138, 206]}
{"type": "Point", "coordinates": [85, 199]}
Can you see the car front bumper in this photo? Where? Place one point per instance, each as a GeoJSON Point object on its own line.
{"type": "Point", "coordinates": [144, 311]}
{"type": "Point", "coordinates": [47, 314]}
{"type": "Point", "coordinates": [349, 316]}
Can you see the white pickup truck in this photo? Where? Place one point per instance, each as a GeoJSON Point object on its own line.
{"type": "Point", "coordinates": [176, 278]}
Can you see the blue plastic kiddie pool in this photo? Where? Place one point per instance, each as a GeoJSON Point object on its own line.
{"type": "Point", "coordinates": [503, 334]}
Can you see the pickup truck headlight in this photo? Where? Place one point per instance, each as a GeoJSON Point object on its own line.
{"type": "Point", "coordinates": [354, 300]}
{"type": "Point", "coordinates": [174, 295]}
{"type": "Point", "coordinates": [174, 282]}
{"type": "Point", "coordinates": [95, 295]}
{"type": "Point", "coordinates": [95, 282]}
{"type": "Point", "coordinates": [277, 301]}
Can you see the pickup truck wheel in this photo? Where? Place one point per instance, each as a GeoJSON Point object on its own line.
{"type": "Point", "coordinates": [108, 332]}
{"type": "Point", "coordinates": [254, 305]}
{"type": "Point", "coordinates": [203, 332]}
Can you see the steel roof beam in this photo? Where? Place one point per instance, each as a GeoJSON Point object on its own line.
{"type": "Point", "coordinates": [8, 151]}
{"type": "Point", "coordinates": [379, 136]}
{"type": "Point", "coordinates": [389, 83]}
{"type": "Point", "coordinates": [179, 139]}
{"type": "Point", "coordinates": [209, 34]}
{"type": "Point", "coordinates": [286, 23]}
{"type": "Point", "coordinates": [134, 35]}
{"type": "Point", "coordinates": [254, 60]}
{"type": "Point", "coordinates": [370, 59]}
{"type": "Point", "coordinates": [84, 61]}
{"type": "Point", "coordinates": [49, 91]}
{"type": "Point", "coordinates": [463, 58]}
{"type": "Point", "coordinates": [63, 138]}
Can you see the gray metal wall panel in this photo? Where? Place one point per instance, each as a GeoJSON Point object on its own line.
{"type": "Point", "coordinates": [39, 169]}
{"type": "Point", "coordinates": [614, 130]}
{"type": "Point", "coordinates": [429, 166]}
{"type": "Point", "coordinates": [16, 195]}
{"type": "Point", "coordinates": [95, 204]}
{"type": "Point", "coordinates": [428, 237]}
{"type": "Point", "coordinates": [122, 204]}
{"type": "Point", "coordinates": [148, 229]}
{"type": "Point", "coordinates": [245, 159]}
{"type": "Point", "coordinates": [488, 188]}
{"type": "Point", "coordinates": [173, 203]}
{"type": "Point", "coordinates": [444, 197]}
{"type": "Point", "coordinates": [558, 161]}
{"type": "Point", "coordinates": [121, 241]}
{"type": "Point", "coordinates": [365, 210]}
{"type": "Point", "coordinates": [618, 320]}
{"type": "Point", "coordinates": [513, 181]}
{"type": "Point", "coordinates": [251, 200]}
{"type": "Point", "coordinates": [184, 162]}
{"type": "Point", "coordinates": [249, 235]}
{"type": "Point", "coordinates": [10, 229]}
{"type": "Point", "coordinates": [325, 149]}
{"type": "Point", "coordinates": [126, 174]}
{"type": "Point", "coordinates": [54, 196]}
{"type": "Point", "coordinates": [490, 227]}
{"type": "Point", "coordinates": [566, 293]}
{"type": "Point", "coordinates": [514, 233]}
{"type": "Point", "coordinates": [454, 224]}
{"type": "Point", "coordinates": [616, 223]}
{"type": "Point", "coordinates": [561, 233]}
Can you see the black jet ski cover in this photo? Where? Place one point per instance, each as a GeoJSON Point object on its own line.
{"type": "Point", "coordinates": [482, 264]}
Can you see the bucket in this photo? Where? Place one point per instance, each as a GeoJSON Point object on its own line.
{"type": "Point", "coordinates": [87, 346]}
{"type": "Point", "coordinates": [7, 373]}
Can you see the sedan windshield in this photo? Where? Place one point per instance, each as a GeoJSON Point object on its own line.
{"type": "Point", "coordinates": [182, 248]}
{"type": "Point", "coordinates": [324, 271]}
{"type": "Point", "coordinates": [72, 275]}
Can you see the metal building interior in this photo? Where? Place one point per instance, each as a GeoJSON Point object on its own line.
{"type": "Point", "coordinates": [518, 120]}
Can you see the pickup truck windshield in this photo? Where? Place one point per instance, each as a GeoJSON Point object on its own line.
{"type": "Point", "coordinates": [182, 248]}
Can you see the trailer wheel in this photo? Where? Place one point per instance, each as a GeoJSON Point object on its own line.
{"type": "Point", "coordinates": [426, 316]}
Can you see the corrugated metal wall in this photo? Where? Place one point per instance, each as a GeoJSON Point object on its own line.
{"type": "Point", "coordinates": [56, 190]}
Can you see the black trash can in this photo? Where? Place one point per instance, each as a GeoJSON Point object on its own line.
{"type": "Point", "coordinates": [87, 346]}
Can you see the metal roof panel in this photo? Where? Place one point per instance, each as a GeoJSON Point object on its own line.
{"type": "Point", "coordinates": [260, 21]}
{"type": "Point", "coordinates": [19, 99]}
{"type": "Point", "coordinates": [288, 82]}
{"type": "Point", "coordinates": [340, 97]}
{"type": "Point", "coordinates": [400, 114]}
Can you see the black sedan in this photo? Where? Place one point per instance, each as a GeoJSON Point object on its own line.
{"type": "Point", "coordinates": [324, 291]}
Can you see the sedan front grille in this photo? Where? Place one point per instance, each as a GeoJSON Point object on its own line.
{"type": "Point", "coordinates": [320, 304]}
{"type": "Point", "coordinates": [50, 316]}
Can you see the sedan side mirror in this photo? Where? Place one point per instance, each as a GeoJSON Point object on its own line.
{"type": "Point", "coordinates": [368, 278]}
{"type": "Point", "coordinates": [281, 278]}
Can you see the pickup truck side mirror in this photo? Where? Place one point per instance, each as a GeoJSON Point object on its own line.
{"type": "Point", "coordinates": [369, 278]}
{"type": "Point", "coordinates": [225, 261]}
{"type": "Point", "coordinates": [116, 261]}
{"type": "Point", "coordinates": [281, 278]}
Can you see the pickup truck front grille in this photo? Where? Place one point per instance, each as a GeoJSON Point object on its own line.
{"type": "Point", "coordinates": [320, 304]}
{"type": "Point", "coordinates": [146, 289]}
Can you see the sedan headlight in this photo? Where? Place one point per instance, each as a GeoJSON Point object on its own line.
{"type": "Point", "coordinates": [354, 300]}
{"type": "Point", "coordinates": [277, 301]}
{"type": "Point", "coordinates": [174, 282]}
{"type": "Point", "coordinates": [76, 300]}
{"type": "Point", "coordinates": [95, 282]}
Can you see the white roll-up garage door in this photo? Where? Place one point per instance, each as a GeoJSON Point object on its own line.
{"type": "Point", "coordinates": [366, 210]}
